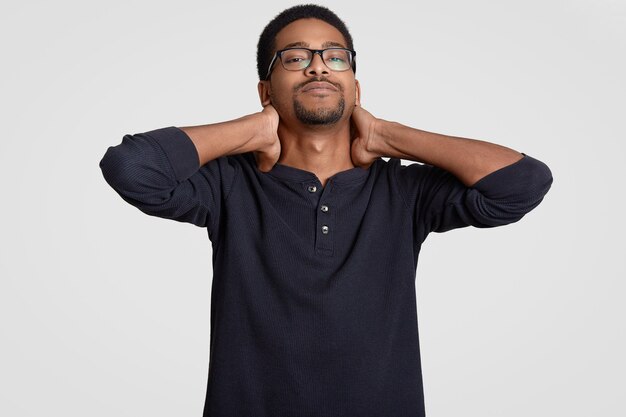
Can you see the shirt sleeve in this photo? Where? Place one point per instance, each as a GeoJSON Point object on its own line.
{"type": "Point", "coordinates": [158, 172]}
{"type": "Point", "coordinates": [439, 202]}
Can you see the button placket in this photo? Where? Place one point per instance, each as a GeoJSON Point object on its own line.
{"type": "Point", "coordinates": [325, 222]}
{"type": "Point", "coordinates": [325, 228]}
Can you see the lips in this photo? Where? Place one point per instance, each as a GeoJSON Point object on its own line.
{"type": "Point", "coordinates": [319, 87]}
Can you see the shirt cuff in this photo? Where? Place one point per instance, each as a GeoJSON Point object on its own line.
{"type": "Point", "coordinates": [179, 149]}
{"type": "Point", "coordinates": [528, 175]}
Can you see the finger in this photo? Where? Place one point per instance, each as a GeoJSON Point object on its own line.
{"type": "Point", "coordinates": [263, 166]}
{"type": "Point", "coordinates": [264, 162]}
{"type": "Point", "coordinates": [353, 130]}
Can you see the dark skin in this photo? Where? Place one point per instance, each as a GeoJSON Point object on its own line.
{"type": "Point", "coordinates": [357, 139]}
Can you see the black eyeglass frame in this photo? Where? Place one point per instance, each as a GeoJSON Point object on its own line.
{"type": "Point", "coordinates": [313, 52]}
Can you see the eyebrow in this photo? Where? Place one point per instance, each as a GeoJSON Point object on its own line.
{"type": "Point", "coordinates": [326, 44]}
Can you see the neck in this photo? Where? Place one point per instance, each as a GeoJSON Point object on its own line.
{"type": "Point", "coordinates": [322, 150]}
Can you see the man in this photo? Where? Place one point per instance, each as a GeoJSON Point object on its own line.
{"type": "Point", "coordinates": [315, 237]}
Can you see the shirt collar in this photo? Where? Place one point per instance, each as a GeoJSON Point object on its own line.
{"type": "Point", "coordinates": [289, 173]}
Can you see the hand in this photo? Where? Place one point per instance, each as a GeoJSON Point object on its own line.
{"type": "Point", "coordinates": [268, 150]}
{"type": "Point", "coordinates": [363, 125]}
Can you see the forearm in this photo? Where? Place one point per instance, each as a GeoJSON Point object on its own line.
{"type": "Point", "coordinates": [226, 138]}
{"type": "Point", "coordinates": [468, 159]}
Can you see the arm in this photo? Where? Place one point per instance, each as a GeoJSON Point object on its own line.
{"type": "Point", "coordinates": [467, 159]}
{"type": "Point", "coordinates": [256, 132]}
{"type": "Point", "coordinates": [463, 182]}
{"type": "Point", "coordinates": [178, 174]}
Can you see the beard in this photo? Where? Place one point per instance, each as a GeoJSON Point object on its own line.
{"type": "Point", "coordinates": [319, 116]}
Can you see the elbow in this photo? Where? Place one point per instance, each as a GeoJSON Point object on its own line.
{"type": "Point", "coordinates": [510, 194]}
{"type": "Point", "coordinates": [498, 212]}
{"type": "Point", "coordinates": [134, 169]}
{"type": "Point", "coordinates": [118, 170]}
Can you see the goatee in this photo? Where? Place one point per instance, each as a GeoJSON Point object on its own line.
{"type": "Point", "coordinates": [319, 116]}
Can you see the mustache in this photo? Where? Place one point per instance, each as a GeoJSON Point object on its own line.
{"type": "Point", "coordinates": [317, 80]}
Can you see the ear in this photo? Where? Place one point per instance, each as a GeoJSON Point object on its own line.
{"type": "Point", "coordinates": [358, 92]}
{"type": "Point", "coordinates": [264, 92]}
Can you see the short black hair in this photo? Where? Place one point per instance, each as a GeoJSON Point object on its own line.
{"type": "Point", "coordinates": [267, 40]}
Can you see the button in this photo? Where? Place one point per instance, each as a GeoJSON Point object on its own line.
{"type": "Point", "coordinates": [312, 188]}
{"type": "Point", "coordinates": [325, 230]}
{"type": "Point", "coordinates": [324, 208]}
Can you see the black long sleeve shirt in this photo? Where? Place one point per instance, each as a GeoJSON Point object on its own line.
{"type": "Point", "coordinates": [313, 303]}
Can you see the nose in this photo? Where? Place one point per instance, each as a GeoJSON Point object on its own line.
{"type": "Point", "coordinates": [317, 65]}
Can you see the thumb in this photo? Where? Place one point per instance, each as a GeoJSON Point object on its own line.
{"type": "Point", "coordinates": [261, 161]}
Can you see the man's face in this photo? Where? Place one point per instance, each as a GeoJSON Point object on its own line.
{"type": "Point", "coordinates": [315, 95]}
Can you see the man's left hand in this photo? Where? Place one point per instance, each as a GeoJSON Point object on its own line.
{"type": "Point", "coordinates": [363, 126]}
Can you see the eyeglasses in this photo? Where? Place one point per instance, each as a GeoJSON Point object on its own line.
{"type": "Point", "coordinates": [296, 59]}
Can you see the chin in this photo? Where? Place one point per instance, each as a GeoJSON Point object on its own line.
{"type": "Point", "coordinates": [319, 115]}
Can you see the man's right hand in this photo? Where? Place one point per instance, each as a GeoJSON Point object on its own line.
{"type": "Point", "coordinates": [268, 152]}
{"type": "Point", "coordinates": [257, 133]}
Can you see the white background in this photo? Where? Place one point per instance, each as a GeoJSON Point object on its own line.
{"type": "Point", "coordinates": [104, 311]}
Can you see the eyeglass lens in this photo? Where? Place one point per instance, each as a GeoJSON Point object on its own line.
{"type": "Point", "coordinates": [297, 59]}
